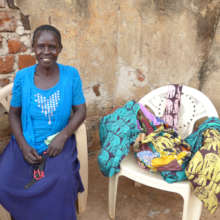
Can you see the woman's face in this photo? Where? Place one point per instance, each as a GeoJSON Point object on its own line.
{"type": "Point", "coordinates": [46, 48]}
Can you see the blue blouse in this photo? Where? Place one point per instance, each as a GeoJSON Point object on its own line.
{"type": "Point", "coordinates": [45, 112]}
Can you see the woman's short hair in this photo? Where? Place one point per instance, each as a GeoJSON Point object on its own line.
{"type": "Point", "coordinates": [47, 27]}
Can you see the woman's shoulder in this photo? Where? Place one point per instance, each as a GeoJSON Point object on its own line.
{"type": "Point", "coordinates": [25, 72]}
{"type": "Point", "coordinates": [69, 70]}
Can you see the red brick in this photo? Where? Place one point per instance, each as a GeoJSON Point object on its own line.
{"type": "Point", "coordinates": [2, 3]}
{"type": "Point", "coordinates": [25, 61]}
{"type": "Point", "coordinates": [15, 46]}
{"type": "Point", "coordinates": [6, 64]}
{"type": "Point", "coordinates": [7, 21]}
{"type": "Point", "coordinates": [4, 82]}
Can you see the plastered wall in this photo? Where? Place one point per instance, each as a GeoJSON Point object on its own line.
{"type": "Point", "coordinates": [125, 48]}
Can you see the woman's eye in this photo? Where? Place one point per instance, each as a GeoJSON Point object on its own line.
{"type": "Point", "coordinates": [48, 47]}
{"type": "Point", "coordinates": [52, 47]}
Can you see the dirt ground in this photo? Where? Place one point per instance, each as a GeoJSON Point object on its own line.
{"type": "Point", "coordinates": [139, 203]}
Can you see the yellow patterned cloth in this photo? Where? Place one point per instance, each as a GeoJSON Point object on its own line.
{"type": "Point", "coordinates": [170, 147]}
{"type": "Point", "coordinates": [203, 170]}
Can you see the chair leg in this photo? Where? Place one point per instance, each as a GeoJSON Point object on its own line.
{"type": "Point", "coordinates": [192, 208]}
{"type": "Point", "coordinates": [4, 214]}
{"type": "Point", "coordinates": [112, 195]}
{"type": "Point", "coordinates": [82, 197]}
{"type": "Point", "coordinates": [195, 207]}
{"type": "Point", "coordinates": [82, 201]}
{"type": "Point", "coordinates": [81, 141]}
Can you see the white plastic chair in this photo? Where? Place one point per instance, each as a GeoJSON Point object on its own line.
{"type": "Point", "coordinates": [81, 140]}
{"type": "Point", "coordinates": [194, 105]}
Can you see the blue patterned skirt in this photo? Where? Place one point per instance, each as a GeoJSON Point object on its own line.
{"type": "Point", "coordinates": [52, 197]}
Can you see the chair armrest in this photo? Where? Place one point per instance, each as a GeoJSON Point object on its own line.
{"type": "Point", "coordinates": [5, 96]}
{"type": "Point", "coordinates": [81, 141]}
{"type": "Point", "coordinates": [4, 214]}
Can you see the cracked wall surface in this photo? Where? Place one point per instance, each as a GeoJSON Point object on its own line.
{"type": "Point", "coordinates": [211, 75]}
{"type": "Point", "coordinates": [124, 49]}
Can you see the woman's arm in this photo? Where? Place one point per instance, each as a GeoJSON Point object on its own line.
{"type": "Point", "coordinates": [29, 153]}
{"type": "Point", "coordinates": [79, 115]}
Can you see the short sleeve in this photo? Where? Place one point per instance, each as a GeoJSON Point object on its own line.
{"type": "Point", "coordinates": [16, 91]}
{"type": "Point", "coordinates": [78, 96]}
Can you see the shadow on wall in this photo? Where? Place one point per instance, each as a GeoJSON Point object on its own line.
{"type": "Point", "coordinates": [24, 18]}
{"type": "Point", "coordinates": [82, 7]}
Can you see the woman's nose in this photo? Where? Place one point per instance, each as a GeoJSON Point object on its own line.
{"type": "Point", "coordinates": [46, 49]}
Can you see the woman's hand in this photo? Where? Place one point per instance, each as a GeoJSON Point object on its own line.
{"type": "Point", "coordinates": [56, 145]}
{"type": "Point", "coordinates": [31, 155]}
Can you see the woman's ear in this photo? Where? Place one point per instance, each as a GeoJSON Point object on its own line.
{"type": "Point", "coordinates": [61, 47]}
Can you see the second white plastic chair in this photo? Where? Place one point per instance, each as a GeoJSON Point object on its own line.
{"type": "Point", "coordinates": [194, 105]}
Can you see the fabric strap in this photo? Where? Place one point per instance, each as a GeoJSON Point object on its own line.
{"type": "Point", "coordinates": [170, 115]}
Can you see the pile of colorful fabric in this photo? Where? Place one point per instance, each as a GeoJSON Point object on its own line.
{"type": "Point", "coordinates": [196, 158]}
{"type": "Point", "coordinates": [163, 149]}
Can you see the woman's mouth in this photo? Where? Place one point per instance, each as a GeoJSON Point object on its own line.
{"type": "Point", "coordinates": [46, 59]}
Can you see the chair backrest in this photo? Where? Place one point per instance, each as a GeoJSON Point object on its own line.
{"type": "Point", "coordinates": [5, 96]}
{"type": "Point", "coordinates": [194, 105]}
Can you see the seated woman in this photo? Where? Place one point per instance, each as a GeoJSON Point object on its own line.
{"type": "Point", "coordinates": [43, 97]}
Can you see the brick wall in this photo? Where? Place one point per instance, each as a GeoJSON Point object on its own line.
{"type": "Point", "coordinates": [15, 53]}
{"type": "Point", "coordinates": [15, 43]}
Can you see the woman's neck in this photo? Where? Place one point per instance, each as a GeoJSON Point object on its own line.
{"type": "Point", "coordinates": [45, 78]}
{"type": "Point", "coordinates": [44, 71]}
